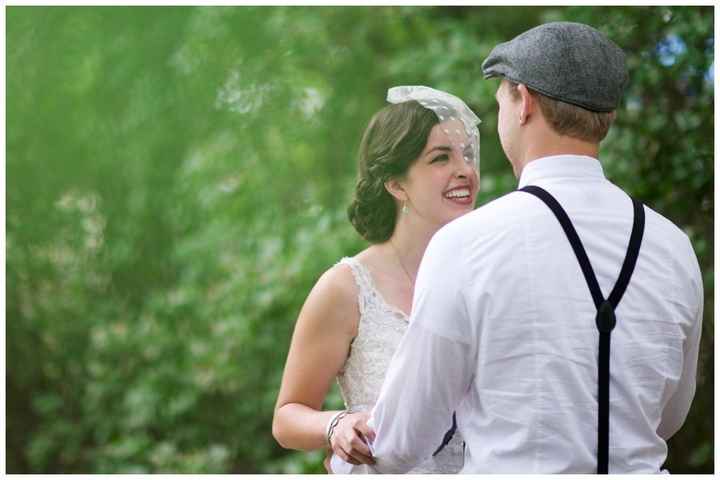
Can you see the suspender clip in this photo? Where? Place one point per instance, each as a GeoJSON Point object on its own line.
{"type": "Point", "coordinates": [605, 319]}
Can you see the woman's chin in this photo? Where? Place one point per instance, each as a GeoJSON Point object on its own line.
{"type": "Point", "coordinates": [461, 210]}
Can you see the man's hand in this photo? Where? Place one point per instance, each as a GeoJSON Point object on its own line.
{"type": "Point", "coordinates": [348, 439]}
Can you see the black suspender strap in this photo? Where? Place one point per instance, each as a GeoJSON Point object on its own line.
{"type": "Point", "coordinates": [447, 437]}
{"type": "Point", "coordinates": [605, 318]}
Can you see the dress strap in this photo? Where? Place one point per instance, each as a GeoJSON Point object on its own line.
{"type": "Point", "coordinates": [362, 280]}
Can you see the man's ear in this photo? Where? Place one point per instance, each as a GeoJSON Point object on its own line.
{"type": "Point", "coordinates": [395, 188]}
{"type": "Point", "coordinates": [528, 103]}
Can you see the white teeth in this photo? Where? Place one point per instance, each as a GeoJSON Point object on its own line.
{"type": "Point", "coordinates": [462, 192]}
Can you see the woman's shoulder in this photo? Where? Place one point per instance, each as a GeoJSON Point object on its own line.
{"type": "Point", "coordinates": [338, 280]}
{"type": "Point", "coordinates": [338, 286]}
{"type": "Point", "coordinates": [341, 283]}
{"type": "Point", "coordinates": [348, 269]}
{"type": "Point", "coordinates": [333, 301]}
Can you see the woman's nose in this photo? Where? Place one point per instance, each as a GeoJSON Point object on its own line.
{"type": "Point", "coordinates": [465, 168]}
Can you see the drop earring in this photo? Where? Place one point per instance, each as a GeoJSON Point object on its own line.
{"type": "Point", "coordinates": [404, 208]}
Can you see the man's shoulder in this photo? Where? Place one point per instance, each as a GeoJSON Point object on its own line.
{"type": "Point", "coordinates": [656, 225]}
{"type": "Point", "coordinates": [510, 210]}
{"type": "Point", "coordinates": [502, 215]}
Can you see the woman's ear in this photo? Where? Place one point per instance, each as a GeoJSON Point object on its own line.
{"type": "Point", "coordinates": [395, 188]}
{"type": "Point", "coordinates": [528, 103]}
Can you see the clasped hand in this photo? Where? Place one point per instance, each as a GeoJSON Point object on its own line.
{"type": "Point", "coordinates": [349, 440]}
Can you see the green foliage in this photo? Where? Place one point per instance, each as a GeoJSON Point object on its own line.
{"type": "Point", "coordinates": [178, 179]}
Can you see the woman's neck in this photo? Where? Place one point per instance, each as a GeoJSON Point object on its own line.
{"type": "Point", "coordinates": [409, 242]}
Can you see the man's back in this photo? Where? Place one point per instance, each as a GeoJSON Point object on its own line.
{"type": "Point", "coordinates": [532, 405]}
{"type": "Point", "coordinates": [503, 322]}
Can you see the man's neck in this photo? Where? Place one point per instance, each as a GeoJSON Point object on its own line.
{"type": "Point", "coordinates": [559, 145]}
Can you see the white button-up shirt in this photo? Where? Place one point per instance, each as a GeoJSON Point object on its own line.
{"type": "Point", "coordinates": [503, 332]}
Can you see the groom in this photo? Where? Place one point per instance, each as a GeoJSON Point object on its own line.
{"type": "Point", "coordinates": [560, 322]}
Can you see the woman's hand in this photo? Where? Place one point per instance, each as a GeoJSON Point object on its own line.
{"type": "Point", "coordinates": [348, 439]}
{"type": "Point", "coordinates": [326, 462]}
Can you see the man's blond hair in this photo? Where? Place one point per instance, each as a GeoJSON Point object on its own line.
{"type": "Point", "coordinates": [570, 120]}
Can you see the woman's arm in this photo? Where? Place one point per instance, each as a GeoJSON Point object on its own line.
{"type": "Point", "coordinates": [324, 330]}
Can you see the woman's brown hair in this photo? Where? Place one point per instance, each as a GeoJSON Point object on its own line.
{"type": "Point", "coordinates": [393, 140]}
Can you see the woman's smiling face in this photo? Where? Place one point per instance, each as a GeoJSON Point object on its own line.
{"type": "Point", "coordinates": [442, 184]}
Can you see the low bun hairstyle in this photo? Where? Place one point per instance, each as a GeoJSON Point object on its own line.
{"type": "Point", "coordinates": [393, 140]}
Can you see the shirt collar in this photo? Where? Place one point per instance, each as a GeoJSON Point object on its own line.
{"type": "Point", "coordinates": [560, 166]}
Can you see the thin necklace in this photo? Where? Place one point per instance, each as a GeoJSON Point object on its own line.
{"type": "Point", "coordinates": [397, 254]}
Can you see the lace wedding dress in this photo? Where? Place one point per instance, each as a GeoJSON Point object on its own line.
{"type": "Point", "coordinates": [380, 329]}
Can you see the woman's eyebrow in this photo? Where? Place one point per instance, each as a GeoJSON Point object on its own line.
{"type": "Point", "coordinates": [443, 148]}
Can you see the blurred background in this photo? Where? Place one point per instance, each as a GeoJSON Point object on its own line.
{"type": "Point", "coordinates": [177, 180]}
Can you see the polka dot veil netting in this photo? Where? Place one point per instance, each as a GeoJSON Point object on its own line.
{"type": "Point", "coordinates": [457, 121]}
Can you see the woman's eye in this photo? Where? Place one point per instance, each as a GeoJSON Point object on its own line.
{"type": "Point", "coordinates": [440, 158]}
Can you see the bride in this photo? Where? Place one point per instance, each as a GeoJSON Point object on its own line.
{"type": "Point", "coordinates": [418, 170]}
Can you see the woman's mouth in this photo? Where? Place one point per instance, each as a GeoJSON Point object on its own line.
{"type": "Point", "coordinates": [459, 195]}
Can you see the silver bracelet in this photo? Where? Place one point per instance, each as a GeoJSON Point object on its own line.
{"type": "Point", "coordinates": [330, 428]}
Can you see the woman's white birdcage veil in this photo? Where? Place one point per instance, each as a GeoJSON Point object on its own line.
{"type": "Point", "coordinates": [449, 109]}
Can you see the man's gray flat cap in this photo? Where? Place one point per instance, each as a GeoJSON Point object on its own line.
{"type": "Point", "coordinates": [567, 61]}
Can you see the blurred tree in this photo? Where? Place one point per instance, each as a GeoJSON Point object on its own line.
{"type": "Point", "coordinates": [178, 179]}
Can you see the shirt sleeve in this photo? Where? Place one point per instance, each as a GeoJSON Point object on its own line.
{"type": "Point", "coordinates": [677, 408]}
{"type": "Point", "coordinates": [432, 368]}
